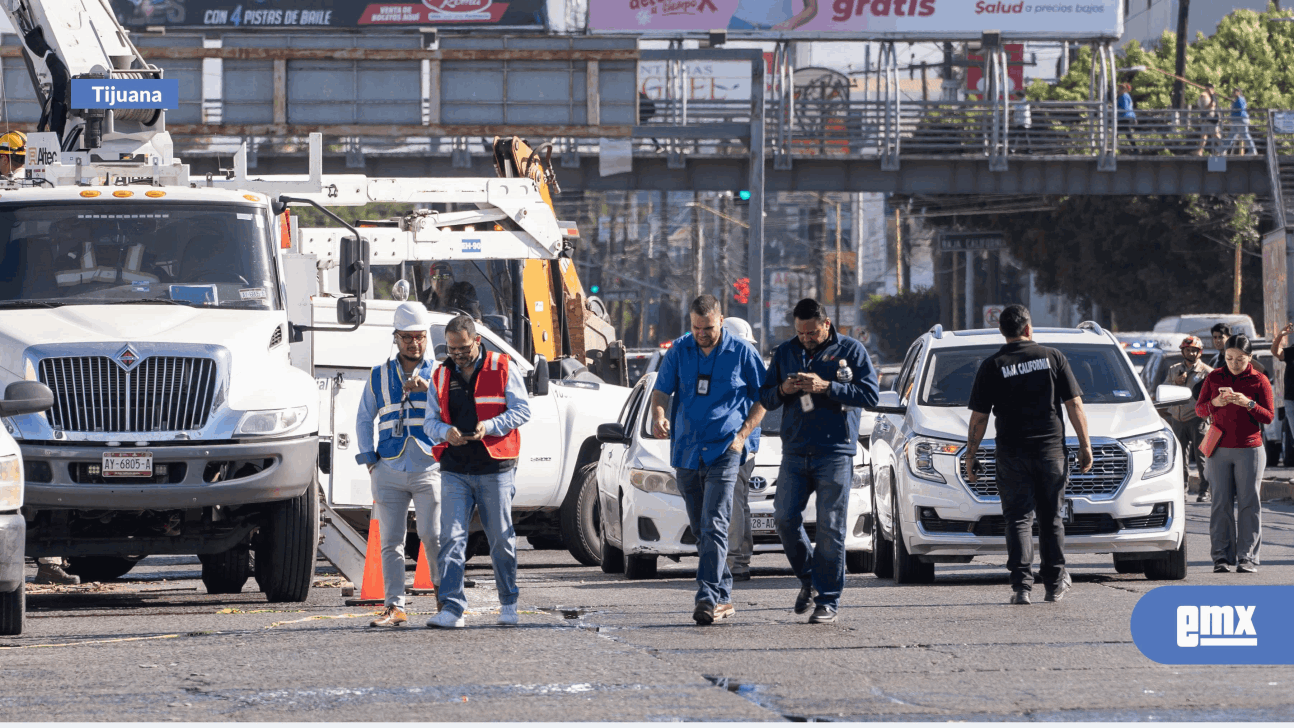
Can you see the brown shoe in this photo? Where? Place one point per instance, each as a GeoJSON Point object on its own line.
{"type": "Point", "coordinates": [391, 617]}
{"type": "Point", "coordinates": [54, 574]}
{"type": "Point", "coordinates": [723, 611]}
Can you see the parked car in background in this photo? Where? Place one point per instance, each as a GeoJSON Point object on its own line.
{"type": "Point", "coordinates": [1130, 504]}
{"type": "Point", "coordinates": [639, 361]}
{"type": "Point", "coordinates": [21, 398]}
{"type": "Point", "coordinates": [1201, 324]}
{"type": "Point", "coordinates": [643, 517]}
{"type": "Point", "coordinates": [888, 374]}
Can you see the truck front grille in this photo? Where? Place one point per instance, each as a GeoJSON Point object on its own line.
{"type": "Point", "coordinates": [162, 394]}
{"type": "Point", "coordinates": [1109, 470]}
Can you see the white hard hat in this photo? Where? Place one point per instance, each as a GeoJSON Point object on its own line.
{"type": "Point", "coordinates": [739, 328]}
{"type": "Point", "coordinates": [412, 316]}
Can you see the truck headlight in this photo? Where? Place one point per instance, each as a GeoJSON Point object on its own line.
{"type": "Point", "coordinates": [1162, 447]}
{"type": "Point", "coordinates": [11, 483]}
{"type": "Point", "coordinates": [271, 422]}
{"type": "Point", "coordinates": [862, 476]}
{"type": "Point", "coordinates": [921, 456]}
{"type": "Point", "coordinates": [651, 481]}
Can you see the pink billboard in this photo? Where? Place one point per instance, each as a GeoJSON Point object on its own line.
{"type": "Point", "coordinates": [915, 19]}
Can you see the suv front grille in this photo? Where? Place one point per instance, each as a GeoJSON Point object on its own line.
{"type": "Point", "coordinates": [1110, 463]}
{"type": "Point", "coordinates": [162, 394]}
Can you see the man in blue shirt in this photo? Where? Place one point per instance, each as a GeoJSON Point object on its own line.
{"type": "Point", "coordinates": [1240, 123]}
{"type": "Point", "coordinates": [399, 459]}
{"type": "Point", "coordinates": [1127, 113]}
{"type": "Point", "coordinates": [714, 380]}
{"type": "Point", "coordinates": [823, 379]}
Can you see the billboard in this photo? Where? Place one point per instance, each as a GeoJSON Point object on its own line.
{"type": "Point", "coordinates": [326, 13]}
{"type": "Point", "coordinates": [863, 19]}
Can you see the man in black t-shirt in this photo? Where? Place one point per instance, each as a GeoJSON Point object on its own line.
{"type": "Point", "coordinates": [1027, 387]}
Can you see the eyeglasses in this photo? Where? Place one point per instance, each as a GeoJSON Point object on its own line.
{"type": "Point", "coordinates": [411, 338]}
{"type": "Point", "coordinates": [461, 349]}
{"type": "Point", "coordinates": [442, 276]}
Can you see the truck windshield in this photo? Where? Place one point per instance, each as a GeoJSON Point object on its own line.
{"type": "Point", "coordinates": [1100, 371]}
{"type": "Point", "coordinates": [84, 254]}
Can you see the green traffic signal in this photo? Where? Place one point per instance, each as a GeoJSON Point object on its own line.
{"type": "Point", "coordinates": [594, 289]}
{"type": "Point", "coordinates": [744, 195]}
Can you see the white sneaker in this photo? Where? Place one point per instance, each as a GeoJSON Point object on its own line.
{"type": "Point", "coordinates": [508, 615]}
{"type": "Point", "coordinates": [446, 620]}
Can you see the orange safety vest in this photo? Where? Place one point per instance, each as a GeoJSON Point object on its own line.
{"type": "Point", "coordinates": [491, 401]}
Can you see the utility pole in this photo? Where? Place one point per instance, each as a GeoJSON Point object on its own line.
{"type": "Point", "coordinates": [698, 252]}
{"type": "Point", "coordinates": [1179, 89]}
{"type": "Point", "coordinates": [1235, 288]}
{"type": "Point", "coordinates": [898, 251]}
{"type": "Point", "coordinates": [838, 261]}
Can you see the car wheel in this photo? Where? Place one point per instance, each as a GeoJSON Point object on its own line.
{"type": "Point", "coordinates": [859, 562]}
{"type": "Point", "coordinates": [613, 559]}
{"type": "Point", "coordinates": [227, 571]}
{"type": "Point", "coordinates": [13, 607]}
{"type": "Point", "coordinates": [882, 549]}
{"type": "Point", "coordinates": [638, 566]}
{"type": "Point", "coordinates": [908, 569]}
{"type": "Point", "coordinates": [582, 518]}
{"type": "Point", "coordinates": [286, 551]}
{"type": "Point", "coordinates": [101, 568]}
{"type": "Point", "coordinates": [1170, 568]}
{"type": "Point", "coordinates": [1129, 566]}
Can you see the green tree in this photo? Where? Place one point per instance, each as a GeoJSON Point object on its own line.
{"type": "Point", "coordinates": [897, 321]}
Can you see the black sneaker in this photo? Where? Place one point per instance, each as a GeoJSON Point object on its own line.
{"type": "Point", "coordinates": [1247, 567]}
{"type": "Point", "coordinates": [1221, 568]}
{"type": "Point", "coordinates": [741, 576]}
{"type": "Point", "coordinates": [804, 600]}
{"type": "Point", "coordinates": [704, 613]}
{"type": "Point", "coordinates": [823, 615]}
{"type": "Point", "coordinates": [1203, 496]}
{"type": "Point", "coordinates": [1058, 592]}
{"type": "Point", "coordinates": [1020, 596]}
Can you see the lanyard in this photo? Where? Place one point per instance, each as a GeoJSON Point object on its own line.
{"type": "Point", "coordinates": [714, 360]}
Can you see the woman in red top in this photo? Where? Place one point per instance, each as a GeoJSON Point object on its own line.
{"type": "Point", "coordinates": [1239, 400]}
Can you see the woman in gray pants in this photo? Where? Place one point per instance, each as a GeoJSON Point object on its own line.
{"type": "Point", "coordinates": [1239, 400]}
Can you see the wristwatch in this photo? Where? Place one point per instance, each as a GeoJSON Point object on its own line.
{"type": "Point", "coordinates": [1251, 404]}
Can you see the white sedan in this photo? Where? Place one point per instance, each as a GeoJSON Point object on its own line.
{"type": "Point", "coordinates": [642, 513]}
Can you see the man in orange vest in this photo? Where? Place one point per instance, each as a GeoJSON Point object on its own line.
{"type": "Point", "coordinates": [479, 404]}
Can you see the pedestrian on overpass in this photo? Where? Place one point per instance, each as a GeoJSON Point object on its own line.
{"type": "Point", "coordinates": [1127, 119]}
{"type": "Point", "coordinates": [480, 402]}
{"type": "Point", "coordinates": [1190, 372]}
{"type": "Point", "coordinates": [1240, 124]}
{"type": "Point", "coordinates": [1028, 387]}
{"type": "Point", "coordinates": [822, 379]}
{"type": "Point", "coordinates": [1239, 400]}
{"type": "Point", "coordinates": [713, 379]}
{"type": "Point", "coordinates": [399, 460]}
{"type": "Point", "coordinates": [741, 539]}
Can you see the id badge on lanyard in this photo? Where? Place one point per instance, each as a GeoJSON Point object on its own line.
{"type": "Point", "coordinates": [702, 385]}
{"type": "Point", "coordinates": [806, 399]}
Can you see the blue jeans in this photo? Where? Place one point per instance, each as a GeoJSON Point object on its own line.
{"type": "Point", "coordinates": [492, 496]}
{"type": "Point", "coordinates": [707, 493]}
{"type": "Point", "coordinates": [821, 565]}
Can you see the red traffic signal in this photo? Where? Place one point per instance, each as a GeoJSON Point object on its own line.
{"type": "Point", "coordinates": [742, 294]}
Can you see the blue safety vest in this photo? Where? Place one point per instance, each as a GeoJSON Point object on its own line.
{"type": "Point", "coordinates": [398, 418]}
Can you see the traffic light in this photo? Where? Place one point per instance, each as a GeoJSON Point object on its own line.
{"type": "Point", "coordinates": [594, 289]}
{"type": "Point", "coordinates": [742, 294]}
{"type": "Point", "coordinates": [744, 195]}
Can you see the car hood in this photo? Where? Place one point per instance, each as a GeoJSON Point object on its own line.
{"type": "Point", "coordinates": [1103, 420]}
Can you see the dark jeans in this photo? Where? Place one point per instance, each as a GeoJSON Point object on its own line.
{"type": "Point", "coordinates": [707, 494]}
{"type": "Point", "coordinates": [1029, 484]}
{"type": "Point", "coordinates": [821, 564]}
{"type": "Point", "coordinates": [1191, 434]}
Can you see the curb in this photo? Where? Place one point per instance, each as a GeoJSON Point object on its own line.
{"type": "Point", "coordinates": [1272, 489]}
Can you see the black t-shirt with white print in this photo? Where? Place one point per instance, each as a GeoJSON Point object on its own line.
{"type": "Point", "coordinates": [1024, 386]}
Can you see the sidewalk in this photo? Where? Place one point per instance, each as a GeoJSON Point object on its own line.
{"type": "Point", "coordinates": [1278, 483]}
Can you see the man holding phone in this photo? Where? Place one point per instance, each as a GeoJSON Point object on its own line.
{"type": "Point", "coordinates": [479, 404]}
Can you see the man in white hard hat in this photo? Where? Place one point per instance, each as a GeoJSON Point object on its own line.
{"type": "Point", "coordinates": [741, 539]}
{"type": "Point", "coordinates": [399, 458]}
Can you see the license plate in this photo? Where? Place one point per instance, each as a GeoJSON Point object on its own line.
{"type": "Point", "coordinates": [127, 464]}
{"type": "Point", "coordinates": [1068, 512]}
{"type": "Point", "coordinates": [762, 523]}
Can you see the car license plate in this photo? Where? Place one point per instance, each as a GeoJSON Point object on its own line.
{"type": "Point", "coordinates": [127, 464]}
{"type": "Point", "coordinates": [762, 523]}
{"type": "Point", "coordinates": [1068, 512]}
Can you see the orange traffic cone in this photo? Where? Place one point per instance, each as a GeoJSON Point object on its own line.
{"type": "Point", "coordinates": [372, 591]}
{"type": "Point", "coordinates": [422, 583]}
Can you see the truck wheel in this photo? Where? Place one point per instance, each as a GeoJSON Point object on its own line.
{"type": "Point", "coordinates": [101, 568]}
{"type": "Point", "coordinates": [613, 559]}
{"type": "Point", "coordinates": [582, 518]}
{"type": "Point", "coordinates": [908, 569]}
{"type": "Point", "coordinates": [13, 606]}
{"type": "Point", "coordinates": [1129, 566]}
{"type": "Point", "coordinates": [882, 550]}
{"type": "Point", "coordinates": [638, 566]}
{"type": "Point", "coordinates": [286, 554]}
{"type": "Point", "coordinates": [1170, 568]}
{"type": "Point", "coordinates": [227, 571]}
{"type": "Point", "coordinates": [859, 562]}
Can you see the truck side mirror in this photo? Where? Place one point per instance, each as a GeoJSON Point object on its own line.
{"type": "Point", "coordinates": [353, 275]}
{"type": "Point", "coordinates": [24, 398]}
{"type": "Point", "coordinates": [351, 311]}
{"type": "Point", "coordinates": [539, 380]}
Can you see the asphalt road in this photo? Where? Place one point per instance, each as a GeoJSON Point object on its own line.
{"type": "Point", "coordinates": [594, 647]}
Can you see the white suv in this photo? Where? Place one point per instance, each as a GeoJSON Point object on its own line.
{"type": "Point", "coordinates": [1131, 504]}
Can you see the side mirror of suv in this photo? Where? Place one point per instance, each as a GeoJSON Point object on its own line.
{"type": "Point", "coordinates": [889, 404]}
{"type": "Point", "coordinates": [612, 433]}
{"type": "Point", "coordinates": [1169, 395]}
